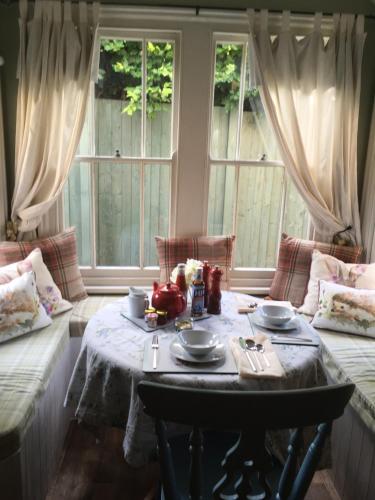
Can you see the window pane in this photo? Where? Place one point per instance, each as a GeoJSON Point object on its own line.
{"type": "Point", "coordinates": [85, 146]}
{"type": "Point", "coordinates": [156, 209]}
{"type": "Point", "coordinates": [226, 100]}
{"type": "Point", "coordinates": [258, 216]}
{"type": "Point", "coordinates": [257, 138]}
{"type": "Point", "coordinates": [77, 209]}
{"type": "Point", "coordinates": [118, 214]}
{"type": "Point", "coordinates": [296, 216]}
{"type": "Point", "coordinates": [118, 98]}
{"type": "Point", "coordinates": [159, 99]}
{"type": "Point", "coordinates": [221, 199]}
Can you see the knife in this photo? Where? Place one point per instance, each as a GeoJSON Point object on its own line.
{"type": "Point", "coordinates": [155, 347]}
{"type": "Point", "coordinates": [294, 339]}
{"type": "Point", "coordinates": [243, 347]}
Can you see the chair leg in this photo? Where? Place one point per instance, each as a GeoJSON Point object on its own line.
{"type": "Point", "coordinates": [169, 486]}
{"type": "Point", "coordinates": [308, 467]}
{"type": "Point", "coordinates": [196, 450]}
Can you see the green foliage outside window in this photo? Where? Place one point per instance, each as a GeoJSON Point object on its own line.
{"type": "Point", "coordinates": [120, 75]}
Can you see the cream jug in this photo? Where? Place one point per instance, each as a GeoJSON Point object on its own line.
{"type": "Point", "coordinates": [138, 302]}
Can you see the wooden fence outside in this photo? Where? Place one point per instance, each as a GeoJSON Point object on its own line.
{"type": "Point", "coordinates": [259, 200]}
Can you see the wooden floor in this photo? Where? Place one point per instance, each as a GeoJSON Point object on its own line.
{"type": "Point", "coordinates": [93, 468]}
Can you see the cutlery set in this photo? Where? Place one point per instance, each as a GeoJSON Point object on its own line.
{"type": "Point", "coordinates": [250, 347]}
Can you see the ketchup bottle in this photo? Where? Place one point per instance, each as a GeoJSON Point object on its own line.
{"type": "Point", "coordinates": [181, 279]}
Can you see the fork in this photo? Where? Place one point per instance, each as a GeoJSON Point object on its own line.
{"type": "Point", "coordinates": [155, 347]}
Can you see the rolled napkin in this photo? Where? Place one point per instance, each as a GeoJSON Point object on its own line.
{"type": "Point", "coordinates": [245, 310]}
{"type": "Point", "coordinates": [275, 370]}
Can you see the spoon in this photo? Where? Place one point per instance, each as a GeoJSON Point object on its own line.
{"type": "Point", "coordinates": [260, 348]}
{"type": "Point", "coordinates": [251, 346]}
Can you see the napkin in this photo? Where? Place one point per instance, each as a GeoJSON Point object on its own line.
{"type": "Point", "coordinates": [244, 368]}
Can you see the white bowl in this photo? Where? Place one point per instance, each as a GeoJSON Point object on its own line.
{"type": "Point", "coordinates": [276, 315]}
{"type": "Point", "coordinates": [198, 342]}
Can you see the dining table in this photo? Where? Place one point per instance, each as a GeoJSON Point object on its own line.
{"type": "Point", "coordinates": [110, 364]}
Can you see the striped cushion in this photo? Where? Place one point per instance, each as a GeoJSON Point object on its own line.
{"type": "Point", "coordinates": [293, 267]}
{"type": "Point", "coordinates": [215, 249]}
{"type": "Point", "coordinates": [59, 255]}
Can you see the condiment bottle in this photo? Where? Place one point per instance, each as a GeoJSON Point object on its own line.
{"type": "Point", "coordinates": [197, 294]}
{"type": "Point", "coordinates": [206, 278]}
{"type": "Point", "coordinates": [214, 297]}
{"type": "Point", "coordinates": [162, 317]}
{"type": "Point", "coordinates": [181, 280]}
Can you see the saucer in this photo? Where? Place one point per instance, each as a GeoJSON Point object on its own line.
{"type": "Point", "coordinates": [259, 320]}
{"type": "Point", "coordinates": [179, 352]}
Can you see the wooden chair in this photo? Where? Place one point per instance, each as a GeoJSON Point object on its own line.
{"type": "Point", "coordinates": [248, 465]}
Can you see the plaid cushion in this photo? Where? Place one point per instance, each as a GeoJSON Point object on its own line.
{"type": "Point", "coordinates": [59, 255]}
{"type": "Point", "coordinates": [215, 249]}
{"type": "Point", "coordinates": [293, 267]}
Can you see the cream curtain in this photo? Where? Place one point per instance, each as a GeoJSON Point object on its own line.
{"type": "Point", "coordinates": [3, 181]}
{"type": "Point", "coordinates": [310, 89]}
{"type": "Point", "coordinates": [368, 197]}
{"type": "Point", "coordinates": [56, 51]}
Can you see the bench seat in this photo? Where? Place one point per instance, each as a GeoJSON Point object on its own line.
{"type": "Point", "coordinates": [35, 370]}
{"type": "Point", "coordinates": [351, 358]}
{"type": "Point", "coordinates": [26, 364]}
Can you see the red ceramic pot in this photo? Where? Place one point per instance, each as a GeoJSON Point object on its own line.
{"type": "Point", "coordinates": [168, 297]}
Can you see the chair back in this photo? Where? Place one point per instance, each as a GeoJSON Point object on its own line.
{"type": "Point", "coordinates": [252, 413]}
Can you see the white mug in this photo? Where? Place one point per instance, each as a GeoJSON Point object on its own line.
{"type": "Point", "coordinates": [137, 303]}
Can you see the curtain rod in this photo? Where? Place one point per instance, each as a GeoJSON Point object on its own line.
{"type": "Point", "coordinates": [197, 8]}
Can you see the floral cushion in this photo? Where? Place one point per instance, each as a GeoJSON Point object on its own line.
{"type": "Point", "coordinates": [49, 293]}
{"type": "Point", "coordinates": [215, 249]}
{"type": "Point", "coordinates": [293, 267]}
{"type": "Point", "coordinates": [59, 255]}
{"type": "Point", "coordinates": [345, 309]}
{"type": "Point", "coordinates": [20, 309]}
{"type": "Point", "coordinates": [328, 268]}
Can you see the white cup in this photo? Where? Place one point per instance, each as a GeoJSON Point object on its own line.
{"type": "Point", "coordinates": [137, 305]}
{"type": "Point", "coordinates": [137, 302]}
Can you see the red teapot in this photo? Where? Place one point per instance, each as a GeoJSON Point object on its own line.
{"type": "Point", "coordinates": [168, 297]}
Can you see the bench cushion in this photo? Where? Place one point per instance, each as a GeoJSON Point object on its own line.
{"type": "Point", "coordinates": [349, 358]}
{"type": "Point", "coordinates": [84, 309]}
{"type": "Point", "coordinates": [26, 364]}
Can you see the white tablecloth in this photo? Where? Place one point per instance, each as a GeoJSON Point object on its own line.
{"type": "Point", "coordinates": [104, 382]}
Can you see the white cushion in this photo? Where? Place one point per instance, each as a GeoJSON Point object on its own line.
{"type": "Point", "coordinates": [328, 268]}
{"type": "Point", "coordinates": [345, 309]}
{"type": "Point", "coordinates": [20, 309]}
{"type": "Point", "coordinates": [49, 293]}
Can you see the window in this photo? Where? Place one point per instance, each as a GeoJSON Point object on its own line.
{"type": "Point", "coordinates": [250, 194]}
{"type": "Point", "coordinates": [118, 194]}
{"type": "Point", "coordinates": [176, 143]}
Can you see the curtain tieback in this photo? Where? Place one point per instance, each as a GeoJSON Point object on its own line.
{"type": "Point", "coordinates": [11, 230]}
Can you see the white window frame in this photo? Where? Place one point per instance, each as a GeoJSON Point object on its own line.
{"type": "Point", "coordinates": [240, 277]}
{"type": "Point", "coordinates": [114, 278]}
{"type": "Point", "coordinates": [193, 93]}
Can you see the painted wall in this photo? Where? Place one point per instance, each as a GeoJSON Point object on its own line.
{"type": "Point", "coordinates": [9, 50]}
{"type": "Point", "coordinates": [9, 42]}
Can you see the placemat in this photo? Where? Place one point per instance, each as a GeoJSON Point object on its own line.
{"type": "Point", "coordinates": [142, 323]}
{"type": "Point", "coordinates": [167, 363]}
{"type": "Point", "coordinates": [290, 337]}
